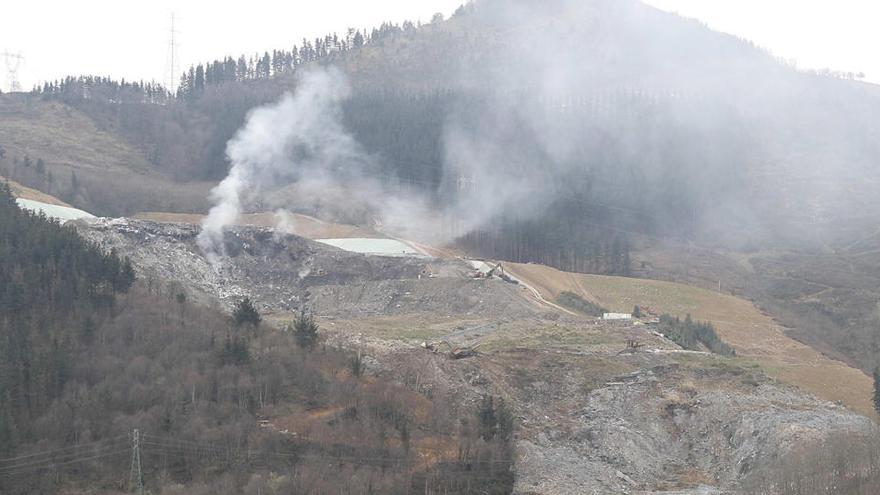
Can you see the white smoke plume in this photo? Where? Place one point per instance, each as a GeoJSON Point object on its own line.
{"type": "Point", "coordinates": [301, 140]}
{"type": "Point", "coordinates": [300, 136]}
{"type": "Point", "coordinates": [604, 87]}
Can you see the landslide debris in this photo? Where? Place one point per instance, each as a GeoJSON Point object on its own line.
{"type": "Point", "coordinates": [590, 419]}
{"type": "Point", "coordinates": [283, 272]}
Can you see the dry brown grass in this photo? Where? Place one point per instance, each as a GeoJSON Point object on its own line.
{"type": "Point", "coordinates": [114, 177]}
{"type": "Point", "coordinates": [63, 136]}
{"type": "Point", "coordinates": [23, 192]}
{"type": "Point", "coordinates": [754, 335]}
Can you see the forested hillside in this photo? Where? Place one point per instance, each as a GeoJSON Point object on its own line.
{"type": "Point", "coordinates": [595, 136]}
{"type": "Point", "coordinates": [568, 133]}
{"type": "Point", "coordinates": [632, 121]}
{"type": "Point", "coordinates": [54, 289]}
{"type": "Point", "coordinates": [88, 356]}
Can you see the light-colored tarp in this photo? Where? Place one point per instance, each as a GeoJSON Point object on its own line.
{"type": "Point", "coordinates": [61, 213]}
{"type": "Point", "coordinates": [383, 247]}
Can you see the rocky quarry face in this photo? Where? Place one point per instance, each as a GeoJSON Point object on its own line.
{"type": "Point", "coordinates": [591, 420]}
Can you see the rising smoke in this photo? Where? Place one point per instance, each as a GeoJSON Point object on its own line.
{"type": "Point", "coordinates": [608, 102]}
{"type": "Point", "coordinates": [298, 137]}
{"type": "Point", "coordinates": [300, 140]}
{"type": "Point", "coordinates": [671, 124]}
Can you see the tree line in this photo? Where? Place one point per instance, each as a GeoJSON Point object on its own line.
{"type": "Point", "coordinates": [198, 77]}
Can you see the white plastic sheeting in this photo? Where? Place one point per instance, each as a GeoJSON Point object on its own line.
{"type": "Point", "coordinates": [61, 213]}
{"type": "Point", "coordinates": [381, 247]}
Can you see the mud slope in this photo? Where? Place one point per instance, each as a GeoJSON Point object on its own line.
{"type": "Point", "coordinates": [754, 335]}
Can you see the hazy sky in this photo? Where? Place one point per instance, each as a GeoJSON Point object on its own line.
{"type": "Point", "coordinates": [130, 39]}
{"type": "Point", "coordinates": [840, 35]}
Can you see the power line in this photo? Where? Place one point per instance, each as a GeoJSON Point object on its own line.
{"type": "Point", "coordinates": [156, 445]}
{"type": "Point", "coordinates": [183, 445]}
{"type": "Point", "coordinates": [52, 465]}
{"type": "Point", "coordinates": [56, 458]}
{"type": "Point", "coordinates": [71, 447]}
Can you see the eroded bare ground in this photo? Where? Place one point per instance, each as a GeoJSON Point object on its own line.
{"type": "Point", "coordinates": [591, 419]}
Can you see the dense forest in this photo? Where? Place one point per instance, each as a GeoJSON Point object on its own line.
{"type": "Point", "coordinates": [223, 404]}
{"type": "Point", "coordinates": [54, 290]}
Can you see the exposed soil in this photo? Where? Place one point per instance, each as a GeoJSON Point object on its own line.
{"type": "Point", "coordinates": [593, 415]}
{"type": "Point", "coordinates": [753, 334]}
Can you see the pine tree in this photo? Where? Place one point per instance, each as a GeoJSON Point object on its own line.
{"type": "Point", "coordinates": [88, 330]}
{"type": "Point", "coordinates": [126, 276]}
{"type": "Point", "coordinates": [305, 330]}
{"type": "Point", "coordinates": [358, 40]}
{"type": "Point", "coordinates": [877, 389]}
{"type": "Point", "coordinates": [235, 351]}
{"type": "Point", "coordinates": [199, 79]}
{"type": "Point", "coordinates": [488, 421]}
{"type": "Point", "coordinates": [246, 312]}
{"type": "Point", "coordinates": [504, 417]}
{"type": "Point", "coordinates": [7, 427]}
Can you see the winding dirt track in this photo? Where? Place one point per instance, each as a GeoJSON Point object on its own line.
{"type": "Point", "coordinates": [754, 335]}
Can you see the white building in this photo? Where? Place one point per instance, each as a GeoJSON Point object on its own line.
{"type": "Point", "coordinates": [616, 316]}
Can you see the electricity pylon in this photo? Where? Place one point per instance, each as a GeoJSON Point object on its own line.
{"type": "Point", "coordinates": [13, 62]}
{"type": "Point", "coordinates": [136, 482]}
{"type": "Point", "coordinates": [172, 57]}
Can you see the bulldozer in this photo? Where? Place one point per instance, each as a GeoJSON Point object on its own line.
{"type": "Point", "coordinates": [453, 352]}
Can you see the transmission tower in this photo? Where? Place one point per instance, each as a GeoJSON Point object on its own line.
{"type": "Point", "coordinates": [13, 63]}
{"type": "Point", "coordinates": [136, 482]}
{"type": "Point", "coordinates": [172, 56]}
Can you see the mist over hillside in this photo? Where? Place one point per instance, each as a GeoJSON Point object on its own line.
{"type": "Point", "coordinates": [698, 131]}
{"type": "Point", "coordinates": [567, 133]}
{"type": "Point", "coordinates": [556, 247]}
{"type": "Point", "coordinates": [613, 111]}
